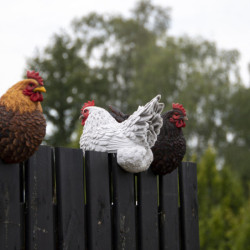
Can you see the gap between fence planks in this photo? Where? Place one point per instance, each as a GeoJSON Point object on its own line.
{"type": "Point", "coordinates": [56, 200]}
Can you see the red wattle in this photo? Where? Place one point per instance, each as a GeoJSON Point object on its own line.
{"type": "Point", "coordinates": [36, 97]}
{"type": "Point", "coordinates": [180, 123]}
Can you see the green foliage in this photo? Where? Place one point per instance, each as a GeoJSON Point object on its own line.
{"type": "Point", "coordinates": [220, 196]}
{"type": "Point", "coordinates": [241, 231]}
{"type": "Point", "coordinates": [238, 122]}
{"type": "Point", "coordinates": [69, 83]}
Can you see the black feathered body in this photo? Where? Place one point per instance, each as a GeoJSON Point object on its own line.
{"type": "Point", "coordinates": [169, 148]}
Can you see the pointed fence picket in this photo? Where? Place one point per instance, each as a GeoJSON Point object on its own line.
{"type": "Point", "coordinates": [56, 200]}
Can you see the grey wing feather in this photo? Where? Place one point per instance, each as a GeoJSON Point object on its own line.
{"type": "Point", "coordinates": [144, 124]}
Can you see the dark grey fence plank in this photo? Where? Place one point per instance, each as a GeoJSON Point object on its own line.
{"type": "Point", "coordinates": [99, 233]}
{"type": "Point", "coordinates": [148, 211]}
{"type": "Point", "coordinates": [39, 200]}
{"type": "Point", "coordinates": [22, 229]}
{"type": "Point", "coordinates": [10, 217]}
{"type": "Point", "coordinates": [169, 212]}
{"type": "Point", "coordinates": [124, 207]}
{"type": "Point", "coordinates": [70, 198]}
{"type": "Point", "coordinates": [22, 204]}
{"type": "Point", "coordinates": [189, 206]}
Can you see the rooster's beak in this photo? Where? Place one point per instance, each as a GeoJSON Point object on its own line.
{"type": "Point", "coordinates": [40, 89]}
{"type": "Point", "coordinates": [185, 118]}
{"type": "Point", "coordinates": [80, 117]}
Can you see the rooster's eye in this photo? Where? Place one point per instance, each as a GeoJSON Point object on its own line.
{"type": "Point", "coordinates": [31, 84]}
{"type": "Point", "coordinates": [85, 111]}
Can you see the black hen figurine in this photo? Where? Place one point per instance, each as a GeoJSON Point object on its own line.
{"type": "Point", "coordinates": [170, 146]}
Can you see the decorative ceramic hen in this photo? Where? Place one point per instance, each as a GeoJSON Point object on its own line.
{"type": "Point", "coordinates": [170, 146]}
{"type": "Point", "coordinates": [22, 124]}
{"type": "Point", "coordinates": [132, 139]}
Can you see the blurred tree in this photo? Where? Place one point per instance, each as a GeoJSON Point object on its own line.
{"type": "Point", "coordinates": [220, 196]}
{"type": "Point", "coordinates": [240, 235]}
{"type": "Point", "coordinates": [139, 60]}
{"type": "Point", "coordinates": [237, 121]}
{"type": "Point", "coordinates": [125, 61]}
{"type": "Point", "coordinates": [118, 46]}
{"type": "Point", "coordinates": [95, 63]}
{"type": "Point", "coordinates": [69, 82]}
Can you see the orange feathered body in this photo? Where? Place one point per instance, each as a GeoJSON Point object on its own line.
{"type": "Point", "coordinates": [22, 124]}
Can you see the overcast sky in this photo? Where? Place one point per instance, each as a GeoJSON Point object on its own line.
{"type": "Point", "coordinates": [26, 25]}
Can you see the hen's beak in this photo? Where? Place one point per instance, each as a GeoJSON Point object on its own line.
{"type": "Point", "coordinates": [40, 89]}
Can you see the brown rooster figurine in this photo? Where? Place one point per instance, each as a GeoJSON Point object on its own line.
{"type": "Point", "coordinates": [170, 146]}
{"type": "Point", "coordinates": [22, 124]}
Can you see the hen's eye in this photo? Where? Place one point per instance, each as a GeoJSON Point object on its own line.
{"type": "Point", "coordinates": [31, 84]}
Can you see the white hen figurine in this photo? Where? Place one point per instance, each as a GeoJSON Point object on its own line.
{"type": "Point", "coordinates": [131, 139]}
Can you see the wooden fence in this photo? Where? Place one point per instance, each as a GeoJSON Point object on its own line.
{"type": "Point", "coordinates": [55, 201]}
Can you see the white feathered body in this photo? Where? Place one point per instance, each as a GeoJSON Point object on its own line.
{"type": "Point", "coordinates": [131, 139]}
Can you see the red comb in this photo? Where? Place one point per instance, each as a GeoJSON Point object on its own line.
{"type": "Point", "coordinates": [88, 104]}
{"type": "Point", "coordinates": [180, 107]}
{"type": "Point", "coordinates": [36, 76]}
